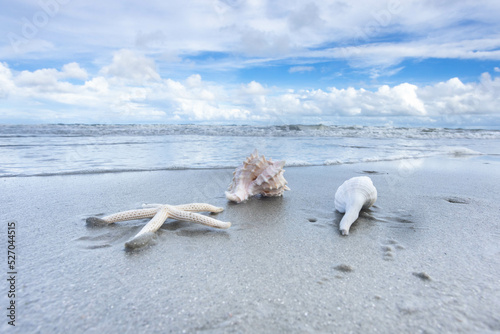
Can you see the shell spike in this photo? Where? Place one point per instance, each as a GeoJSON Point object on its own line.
{"type": "Point", "coordinates": [279, 164]}
{"type": "Point", "coordinates": [351, 214]}
{"type": "Point", "coordinates": [233, 197]}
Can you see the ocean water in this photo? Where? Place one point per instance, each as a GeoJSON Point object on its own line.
{"type": "Point", "coordinates": [57, 149]}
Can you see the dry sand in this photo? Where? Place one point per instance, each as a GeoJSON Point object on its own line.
{"type": "Point", "coordinates": [426, 258]}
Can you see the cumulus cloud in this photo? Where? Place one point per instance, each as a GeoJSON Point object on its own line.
{"type": "Point", "coordinates": [48, 78]}
{"type": "Point", "coordinates": [456, 98]}
{"type": "Point", "coordinates": [73, 71]}
{"type": "Point", "coordinates": [111, 96]}
{"type": "Point", "coordinates": [253, 88]}
{"type": "Point", "coordinates": [197, 100]}
{"type": "Point", "coordinates": [132, 66]}
{"type": "Point", "coordinates": [44, 78]}
{"type": "Point", "coordinates": [6, 83]}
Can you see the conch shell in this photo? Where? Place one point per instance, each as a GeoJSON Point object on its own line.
{"type": "Point", "coordinates": [257, 176]}
{"type": "Point", "coordinates": [353, 195]}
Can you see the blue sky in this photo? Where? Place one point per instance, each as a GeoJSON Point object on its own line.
{"type": "Point", "coordinates": [395, 62]}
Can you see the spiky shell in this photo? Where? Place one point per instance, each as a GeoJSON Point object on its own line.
{"type": "Point", "coordinates": [354, 189]}
{"type": "Point", "coordinates": [257, 176]}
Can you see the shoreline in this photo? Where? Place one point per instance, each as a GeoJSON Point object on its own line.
{"type": "Point", "coordinates": [492, 157]}
{"type": "Point", "coordinates": [424, 258]}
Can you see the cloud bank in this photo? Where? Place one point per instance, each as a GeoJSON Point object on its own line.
{"type": "Point", "coordinates": [366, 33]}
{"type": "Point", "coordinates": [130, 89]}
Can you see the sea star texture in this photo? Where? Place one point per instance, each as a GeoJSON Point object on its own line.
{"type": "Point", "coordinates": [159, 214]}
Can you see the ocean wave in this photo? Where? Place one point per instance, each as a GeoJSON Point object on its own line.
{"type": "Point", "coordinates": [444, 151]}
{"type": "Point", "coordinates": [379, 159]}
{"type": "Point", "coordinates": [97, 171]}
{"type": "Point", "coordinates": [461, 151]}
{"type": "Point", "coordinates": [298, 163]}
{"type": "Point", "coordinates": [320, 130]}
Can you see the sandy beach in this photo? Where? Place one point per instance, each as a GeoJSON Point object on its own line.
{"type": "Point", "coordinates": [424, 259]}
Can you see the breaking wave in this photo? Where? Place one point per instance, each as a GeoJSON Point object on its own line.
{"type": "Point", "coordinates": [320, 130]}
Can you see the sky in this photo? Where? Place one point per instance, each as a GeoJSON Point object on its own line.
{"type": "Point", "coordinates": [357, 62]}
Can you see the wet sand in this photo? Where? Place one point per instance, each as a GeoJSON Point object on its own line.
{"type": "Point", "coordinates": [425, 258]}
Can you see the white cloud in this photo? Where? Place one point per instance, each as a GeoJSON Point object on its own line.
{"type": "Point", "coordinates": [108, 97]}
{"type": "Point", "coordinates": [307, 16]}
{"type": "Point", "coordinates": [194, 80]}
{"type": "Point", "coordinates": [98, 84]}
{"type": "Point", "coordinates": [46, 77]}
{"type": "Point", "coordinates": [295, 69]}
{"type": "Point", "coordinates": [7, 86]}
{"type": "Point", "coordinates": [264, 28]}
{"type": "Point", "coordinates": [445, 98]}
{"type": "Point", "coordinates": [255, 42]}
{"type": "Point", "coordinates": [198, 100]}
{"type": "Point", "coordinates": [74, 71]}
{"type": "Point", "coordinates": [456, 98]}
{"type": "Point", "coordinates": [372, 35]}
{"type": "Point", "coordinates": [405, 97]}
{"type": "Point", "coordinates": [390, 54]}
{"type": "Point", "coordinates": [253, 88]}
{"type": "Point", "coordinates": [132, 66]}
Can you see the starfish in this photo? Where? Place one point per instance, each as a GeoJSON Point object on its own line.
{"type": "Point", "coordinates": [159, 214]}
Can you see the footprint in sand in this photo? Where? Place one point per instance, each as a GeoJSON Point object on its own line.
{"type": "Point", "coordinates": [423, 276]}
{"type": "Point", "coordinates": [343, 268]}
{"type": "Point", "coordinates": [389, 248]}
{"type": "Point", "coordinates": [318, 217]}
{"type": "Point", "coordinates": [457, 200]}
{"type": "Point", "coordinates": [399, 219]}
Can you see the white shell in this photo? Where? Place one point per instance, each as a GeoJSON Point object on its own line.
{"type": "Point", "coordinates": [353, 195]}
{"type": "Point", "coordinates": [257, 176]}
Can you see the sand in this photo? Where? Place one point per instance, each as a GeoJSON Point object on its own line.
{"type": "Point", "coordinates": [425, 258]}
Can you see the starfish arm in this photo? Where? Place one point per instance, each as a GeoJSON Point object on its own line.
{"type": "Point", "coordinates": [199, 207]}
{"type": "Point", "coordinates": [147, 232]}
{"type": "Point", "coordinates": [130, 215]}
{"type": "Point", "coordinates": [196, 218]}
